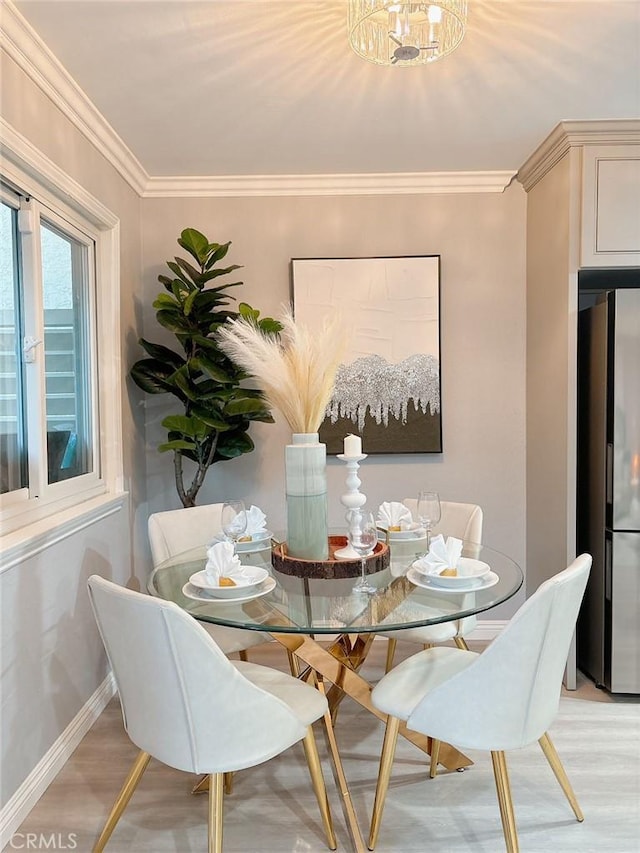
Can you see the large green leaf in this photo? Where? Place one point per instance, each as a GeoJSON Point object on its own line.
{"type": "Point", "coordinates": [188, 303]}
{"type": "Point", "coordinates": [172, 320]}
{"type": "Point", "coordinates": [162, 353]}
{"type": "Point", "coordinates": [176, 444]}
{"type": "Point", "coordinates": [218, 251]}
{"type": "Point", "coordinates": [270, 326]}
{"type": "Point", "coordinates": [153, 376]}
{"type": "Point", "coordinates": [216, 273]}
{"type": "Point", "coordinates": [175, 268]}
{"type": "Point", "coordinates": [243, 406]}
{"type": "Point", "coordinates": [164, 301]}
{"type": "Point", "coordinates": [193, 274]}
{"type": "Point", "coordinates": [212, 419]}
{"type": "Point", "coordinates": [181, 379]}
{"type": "Point", "coordinates": [214, 370]}
{"type": "Point", "coordinates": [231, 445]}
{"type": "Point", "coordinates": [195, 243]}
{"type": "Point", "coordinates": [264, 416]}
{"type": "Point", "coordinates": [165, 280]}
{"type": "Point", "coordinates": [189, 425]}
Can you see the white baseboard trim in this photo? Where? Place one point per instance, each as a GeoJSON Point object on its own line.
{"type": "Point", "coordinates": [487, 629]}
{"type": "Point", "coordinates": [37, 782]}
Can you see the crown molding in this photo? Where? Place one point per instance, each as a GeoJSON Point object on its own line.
{"type": "Point", "coordinates": [26, 48]}
{"type": "Point", "coordinates": [393, 183]}
{"type": "Point", "coordinates": [569, 134]}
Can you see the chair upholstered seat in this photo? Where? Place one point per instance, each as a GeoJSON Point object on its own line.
{"type": "Point", "coordinates": [402, 689]}
{"type": "Point", "coordinates": [310, 705]}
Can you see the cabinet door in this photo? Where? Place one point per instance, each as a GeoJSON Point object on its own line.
{"type": "Point", "coordinates": [611, 206]}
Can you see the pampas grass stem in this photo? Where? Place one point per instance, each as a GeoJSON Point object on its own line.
{"type": "Point", "coordinates": [296, 371]}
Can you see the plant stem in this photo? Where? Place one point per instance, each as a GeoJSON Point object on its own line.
{"type": "Point", "coordinates": [203, 467]}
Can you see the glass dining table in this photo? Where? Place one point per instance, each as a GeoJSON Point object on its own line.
{"type": "Point", "coordinates": [327, 629]}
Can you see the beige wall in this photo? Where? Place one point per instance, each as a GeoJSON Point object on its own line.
{"type": "Point", "coordinates": [481, 240]}
{"type": "Point", "coordinates": [52, 659]}
{"type": "Point", "coordinates": [551, 298]}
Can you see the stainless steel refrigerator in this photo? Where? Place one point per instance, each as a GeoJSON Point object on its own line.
{"type": "Point", "coordinates": [608, 639]}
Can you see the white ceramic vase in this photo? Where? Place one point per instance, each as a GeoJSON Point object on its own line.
{"type": "Point", "coordinates": [306, 486]}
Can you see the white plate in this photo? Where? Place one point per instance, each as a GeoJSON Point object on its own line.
{"type": "Point", "coordinates": [471, 573]}
{"type": "Point", "coordinates": [258, 543]}
{"type": "Point", "coordinates": [254, 575]}
{"type": "Point", "coordinates": [425, 582]}
{"type": "Point", "coordinates": [190, 591]}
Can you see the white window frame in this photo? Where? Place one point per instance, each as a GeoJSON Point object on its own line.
{"type": "Point", "coordinates": [72, 506]}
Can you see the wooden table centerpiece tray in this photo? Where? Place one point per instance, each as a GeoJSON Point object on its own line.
{"type": "Point", "coordinates": [333, 568]}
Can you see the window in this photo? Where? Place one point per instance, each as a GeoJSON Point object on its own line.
{"type": "Point", "coordinates": [52, 260]}
{"type": "Point", "coordinates": [49, 413]}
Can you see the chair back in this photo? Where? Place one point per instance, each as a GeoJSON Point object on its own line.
{"type": "Point", "coordinates": [463, 521]}
{"type": "Point", "coordinates": [182, 700]}
{"type": "Point", "coordinates": [179, 530]}
{"type": "Point", "coordinates": [509, 695]}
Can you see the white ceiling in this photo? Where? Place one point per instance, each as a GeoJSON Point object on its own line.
{"type": "Point", "coordinates": [271, 87]}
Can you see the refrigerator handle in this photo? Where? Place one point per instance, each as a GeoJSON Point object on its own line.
{"type": "Point", "coordinates": [607, 568]}
{"type": "Point", "coordinates": [609, 474]}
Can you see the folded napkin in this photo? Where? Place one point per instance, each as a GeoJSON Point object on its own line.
{"type": "Point", "coordinates": [393, 515]}
{"type": "Point", "coordinates": [256, 523]}
{"type": "Point", "coordinates": [222, 561]}
{"type": "Point", "coordinates": [441, 555]}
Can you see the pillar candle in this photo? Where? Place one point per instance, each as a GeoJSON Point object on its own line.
{"type": "Point", "coordinates": [353, 445]}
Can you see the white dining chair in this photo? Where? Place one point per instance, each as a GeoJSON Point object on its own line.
{"type": "Point", "coordinates": [464, 521]}
{"type": "Point", "coordinates": [176, 531]}
{"type": "Point", "coordinates": [187, 705]}
{"type": "Point", "coordinates": [504, 698]}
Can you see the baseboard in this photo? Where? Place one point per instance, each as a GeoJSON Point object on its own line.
{"type": "Point", "coordinates": [487, 629]}
{"type": "Point", "coordinates": [37, 782]}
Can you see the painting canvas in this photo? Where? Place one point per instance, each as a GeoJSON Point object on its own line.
{"type": "Point", "coordinates": [388, 388]}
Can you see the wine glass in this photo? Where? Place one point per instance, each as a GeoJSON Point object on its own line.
{"type": "Point", "coordinates": [429, 512]}
{"type": "Point", "coordinates": [234, 520]}
{"type": "Point", "coordinates": [363, 537]}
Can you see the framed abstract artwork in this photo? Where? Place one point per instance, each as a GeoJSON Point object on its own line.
{"type": "Point", "coordinates": [388, 388]}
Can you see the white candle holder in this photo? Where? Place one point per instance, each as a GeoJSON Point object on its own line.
{"type": "Point", "coordinates": [352, 499]}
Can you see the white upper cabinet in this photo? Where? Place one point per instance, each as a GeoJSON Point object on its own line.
{"type": "Point", "coordinates": [610, 206]}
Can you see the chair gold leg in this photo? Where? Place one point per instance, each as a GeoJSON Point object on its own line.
{"type": "Point", "coordinates": [243, 655]}
{"type": "Point", "coordinates": [216, 804]}
{"type": "Point", "coordinates": [341, 780]}
{"type": "Point", "coordinates": [504, 801]}
{"type": "Point", "coordinates": [384, 774]}
{"type": "Point", "coordinates": [228, 783]}
{"type": "Point", "coordinates": [126, 792]}
{"type": "Point", "coordinates": [294, 664]}
{"type": "Point", "coordinates": [320, 790]}
{"type": "Point", "coordinates": [556, 765]}
{"type": "Point", "coordinates": [435, 752]}
{"type": "Point", "coordinates": [461, 643]}
{"type": "Point", "coordinates": [391, 650]}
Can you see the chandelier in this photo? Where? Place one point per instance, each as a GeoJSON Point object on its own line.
{"type": "Point", "coordinates": [397, 33]}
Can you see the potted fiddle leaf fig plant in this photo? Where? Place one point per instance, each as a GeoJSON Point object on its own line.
{"type": "Point", "coordinates": [216, 408]}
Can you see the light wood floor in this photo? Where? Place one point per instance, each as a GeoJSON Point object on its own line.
{"type": "Point", "coordinates": [272, 809]}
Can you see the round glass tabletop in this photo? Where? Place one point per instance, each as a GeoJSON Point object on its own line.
{"type": "Point", "coordinates": [300, 605]}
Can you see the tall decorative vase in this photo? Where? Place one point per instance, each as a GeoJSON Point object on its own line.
{"type": "Point", "coordinates": [306, 486]}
